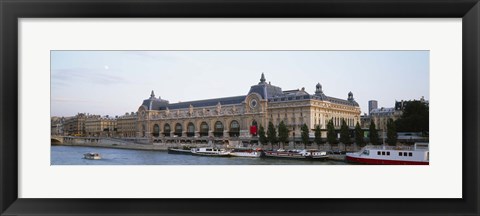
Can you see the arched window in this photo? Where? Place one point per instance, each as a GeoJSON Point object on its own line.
{"type": "Point", "coordinates": [234, 129]}
{"type": "Point", "coordinates": [167, 130]}
{"type": "Point", "coordinates": [218, 130]}
{"type": "Point", "coordinates": [190, 130]}
{"type": "Point", "coordinates": [156, 130]}
{"type": "Point", "coordinates": [204, 129]}
{"type": "Point", "coordinates": [178, 130]}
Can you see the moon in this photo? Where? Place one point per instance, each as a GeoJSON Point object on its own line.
{"type": "Point", "coordinates": [106, 67]}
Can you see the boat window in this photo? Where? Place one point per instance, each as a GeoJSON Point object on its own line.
{"type": "Point", "coordinates": [404, 154]}
{"type": "Point", "coordinates": [388, 153]}
{"type": "Point", "coordinates": [383, 153]}
{"type": "Point", "coordinates": [378, 152]}
{"type": "Point", "coordinates": [399, 153]}
{"type": "Point", "coordinates": [366, 152]}
{"type": "Point", "coordinates": [410, 154]}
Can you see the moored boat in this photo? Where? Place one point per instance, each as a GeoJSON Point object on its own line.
{"type": "Point", "coordinates": [311, 154]}
{"type": "Point", "coordinates": [210, 151]}
{"type": "Point", "coordinates": [416, 155]}
{"type": "Point", "coordinates": [92, 156]}
{"type": "Point", "coordinates": [245, 152]}
{"type": "Point", "coordinates": [185, 150]}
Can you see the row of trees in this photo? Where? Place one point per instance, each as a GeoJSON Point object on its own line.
{"type": "Point", "coordinates": [282, 137]}
{"type": "Point", "coordinates": [415, 118]}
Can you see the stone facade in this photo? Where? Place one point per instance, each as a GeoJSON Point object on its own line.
{"type": "Point", "coordinates": [237, 118]}
{"type": "Point", "coordinates": [75, 126]}
{"type": "Point", "coordinates": [127, 125]}
{"type": "Point", "coordinates": [98, 126]}
{"type": "Point", "coordinates": [56, 124]}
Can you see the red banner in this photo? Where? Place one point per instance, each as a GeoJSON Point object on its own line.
{"type": "Point", "coordinates": [253, 130]}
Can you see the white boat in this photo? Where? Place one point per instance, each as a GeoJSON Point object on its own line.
{"type": "Point", "coordinates": [245, 152]}
{"type": "Point", "coordinates": [416, 155]}
{"type": "Point", "coordinates": [314, 154]}
{"type": "Point", "coordinates": [92, 156]}
{"type": "Point", "coordinates": [210, 151]}
{"type": "Point", "coordinates": [311, 154]}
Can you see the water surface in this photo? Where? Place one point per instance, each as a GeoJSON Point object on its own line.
{"type": "Point", "coordinates": [73, 155]}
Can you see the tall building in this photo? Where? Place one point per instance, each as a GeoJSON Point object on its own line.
{"type": "Point", "coordinates": [372, 104]}
{"type": "Point", "coordinates": [127, 125]}
{"type": "Point", "coordinates": [100, 126]}
{"type": "Point", "coordinates": [239, 117]}
{"type": "Point", "coordinates": [56, 124]}
{"type": "Point", "coordinates": [75, 126]}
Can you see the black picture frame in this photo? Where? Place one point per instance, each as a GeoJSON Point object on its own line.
{"type": "Point", "coordinates": [12, 10]}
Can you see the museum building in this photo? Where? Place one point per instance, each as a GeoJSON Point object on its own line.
{"type": "Point", "coordinates": [239, 117]}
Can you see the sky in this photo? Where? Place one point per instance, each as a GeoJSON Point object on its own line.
{"type": "Point", "coordinates": [115, 82]}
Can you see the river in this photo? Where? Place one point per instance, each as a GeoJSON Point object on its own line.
{"type": "Point", "coordinates": [73, 155]}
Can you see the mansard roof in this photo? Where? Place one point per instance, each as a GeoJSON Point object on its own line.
{"type": "Point", "coordinates": [154, 103]}
{"type": "Point", "coordinates": [266, 90]}
{"type": "Point", "coordinates": [206, 103]}
{"type": "Point", "coordinates": [342, 101]}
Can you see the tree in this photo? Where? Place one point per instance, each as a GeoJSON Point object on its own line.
{"type": "Point", "coordinates": [282, 133]}
{"type": "Point", "coordinates": [358, 135]}
{"type": "Point", "coordinates": [305, 136]}
{"type": "Point", "coordinates": [373, 133]}
{"type": "Point", "coordinates": [271, 134]}
{"type": "Point", "coordinates": [344, 133]}
{"type": "Point", "coordinates": [415, 118]}
{"type": "Point", "coordinates": [261, 135]}
{"type": "Point", "coordinates": [318, 135]}
{"type": "Point", "coordinates": [331, 135]}
{"type": "Point", "coordinates": [391, 132]}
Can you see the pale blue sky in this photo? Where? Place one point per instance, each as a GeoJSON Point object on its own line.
{"type": "Point", "coordinates": [115, 82]}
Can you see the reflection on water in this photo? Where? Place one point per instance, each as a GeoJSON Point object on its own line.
{"type": "Point", "coordinates": [73, 155]}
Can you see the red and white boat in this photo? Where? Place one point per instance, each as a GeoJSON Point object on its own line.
{"type": "Point", "coordinates": [416, 155]}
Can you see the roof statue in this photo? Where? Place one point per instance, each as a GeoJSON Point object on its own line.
{"type": "Point", "coordinates": [219, 108]}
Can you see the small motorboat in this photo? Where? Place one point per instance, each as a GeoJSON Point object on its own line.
{"type": "Point", "coordinates": [92, 156]}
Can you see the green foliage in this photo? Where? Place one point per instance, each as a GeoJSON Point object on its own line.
{"type": "Point", "coordinates": [331, 135]}
{"type": "Point", "coordinates": [415, 118]}
{"type": "Point", "coordinates": [344, 133]}
{"type": "Point", "coordinates": [282, 133]}
{"type": "Point", "coordinates": [373, 133]}
{"type": "Point", "coordinates": [318, 135]}
{"type": "Point", "coordinates": [272, 133]}
{"type": "Point", "coordinates": [305, 138]}
{"type": "Point", "coordinates": [391, 132]}
{"type": "Point", "coordinates": [261, 135]}
{"type": "Point", "coordinates": [358, 135]}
